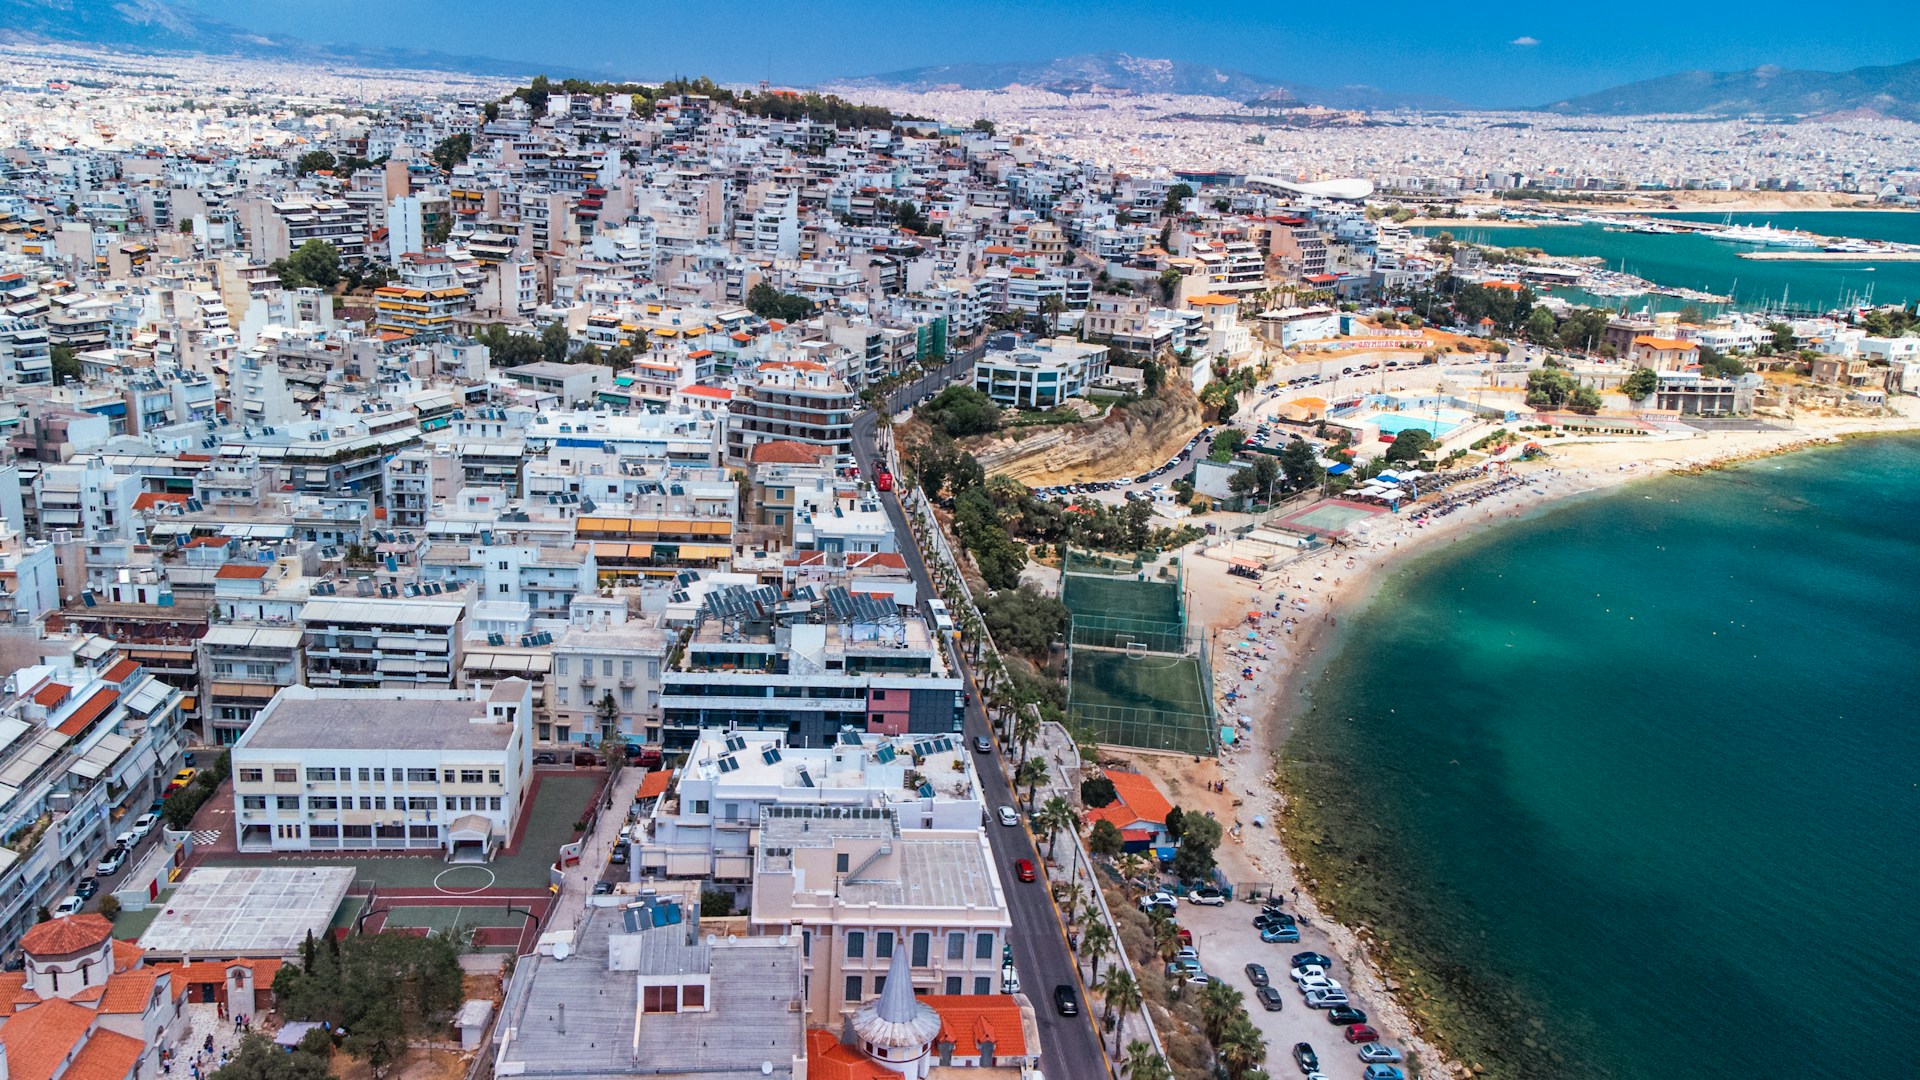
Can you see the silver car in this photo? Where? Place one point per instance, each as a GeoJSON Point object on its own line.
{"type": "Point", "coordinates": [1326, 999]}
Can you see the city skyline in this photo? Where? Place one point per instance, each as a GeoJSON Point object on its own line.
{"type": "Point", "coordinates": [1489, 57]}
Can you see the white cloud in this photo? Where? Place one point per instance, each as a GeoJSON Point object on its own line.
{"type": "Point", "coordinates": [1524, 40]}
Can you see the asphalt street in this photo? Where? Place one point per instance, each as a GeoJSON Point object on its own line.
{"type": "Point", "coordinates": [1070, 1050]}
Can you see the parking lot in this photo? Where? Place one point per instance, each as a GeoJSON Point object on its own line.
{"type": "Point", "coordinates": [1227, 942]}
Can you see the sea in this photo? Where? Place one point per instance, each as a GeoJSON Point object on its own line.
{"type": "Point", "coordinates": [1695, 262]}
{"type": "Point", "coordinates": [1632, 787]}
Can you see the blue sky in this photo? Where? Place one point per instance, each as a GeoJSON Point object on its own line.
{"type": "Point", "coordinates": [1477, 53]}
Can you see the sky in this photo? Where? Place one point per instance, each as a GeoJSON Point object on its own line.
{"type": "Point", "coordinates": [1482, 54]}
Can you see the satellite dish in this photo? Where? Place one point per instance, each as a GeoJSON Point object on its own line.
{"type": "Point", "coordinates": [559, 950]}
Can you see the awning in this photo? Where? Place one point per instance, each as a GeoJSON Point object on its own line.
{"type": "Point", "coordinates": [471, 827]}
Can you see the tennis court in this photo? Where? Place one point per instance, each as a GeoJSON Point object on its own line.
{"type": "Point", "coordinates": [1328, 516]}
{"type": "Point", "coordinates": [1153, 701]}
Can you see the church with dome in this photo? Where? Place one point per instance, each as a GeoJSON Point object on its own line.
{"type": "Point", "coordinates": [901, 1033]}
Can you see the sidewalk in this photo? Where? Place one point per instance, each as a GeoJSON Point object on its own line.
{"type": "Point", "coordinates": [577, 884]}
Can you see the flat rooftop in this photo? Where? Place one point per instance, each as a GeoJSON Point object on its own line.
{"type": "Point", "coordinates": [221, 912]}
{"type": "Point", "coordinates": [304, 718]}
{"type": "Point", "coordinates": [933, 873]}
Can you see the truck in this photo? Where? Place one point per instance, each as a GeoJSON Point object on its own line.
{"type": "Point", "coordinates": [884, 481]}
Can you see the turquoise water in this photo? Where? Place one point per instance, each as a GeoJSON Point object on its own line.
{"type": "Point", "coordinates": [1898, 226]}
{"type": "Point", "coordinates": [1642, 774]}
{"type": "Point", "coordinates": [1695, 262]}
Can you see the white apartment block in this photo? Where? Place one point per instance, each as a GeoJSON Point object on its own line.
{"type": "Point", "coordinates": [1042, 375]}
{"type": "Point", "coordinates": [327, 769]}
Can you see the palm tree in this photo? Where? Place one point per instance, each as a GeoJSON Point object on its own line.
{"type": "Point", "coordinates": [1241, 1047]}
{"type": "Point", "coordinates": [1164, 932]}
{"type": "Point", "coordinates": [1057, 814]}
{"type": "Point", "coordinates": [1026, 730]}
{"type": "Point", "coordinates": [1219, 1004]}
{"type": "Point", "coordinates": [1070, 900]}
{"type": "Point", "coordinates": [1143, 1063]}
{"type": "Point", "coordinates": [1131, 865]}
{"type": "Point", "coordinates": [1033, 773]}
{"type": "Point", "coordinates": [1052, 306]}
{"type": "Point", "coordinates": [1122, 994]}
{"type": "Point", "coordinates": [1096, 943]}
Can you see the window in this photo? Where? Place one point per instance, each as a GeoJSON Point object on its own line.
{"type": "Point", "coordinates": [856, 944]}
{"type": "Point", "coordinates": [320, 774]}
{"type": "Point", "coordinates": [420, 776]}
{"type": "Point", "coordinates": [448, 776]}
{"type": "Point", "coordinates": [253, 802]}
{"type": "Point", "coordinates": [953, 984]}
{"type": "Point", "coordinates": [660, 999]}
{"type": "Point", "coordinates": [693, 996]}
{"type": "Point", "coordinates": [366, 802]}
{"type": "Point", "coordinates": [285, 776]}
{"type": "Point", "coordinates": [883, 945]}
{"type": "Point", "coordinates": [503, 564]}
{"type": "Point", "coordinates": [493, 776]}
{"type": "Point", "coordinates": [470, 776]}
{"type": "Point", "coordinates": [288, 832]}
{"type": "Point", "coordinates": [505, 588]}
{"type": "Point", "coordinates": [286, 802]}
{"type": "Point", "coordinates": [562, 666]}
{"type": "Point", "coordinates": [379, 802]}
{"type": "Point", "coordinates": [840, 862]}
{"type": "Point", "coordinates": [626, 669]}
{"type": "Point", "coordinates": [493, 802]}
{"type": "Point", "coordinates": [700, 806]}
{"type": "Point", "coordinates": [426, 803]}
{"type": "Point", "coordinates": [606, 668]}
{"type": "Point", "coordinates": [323, 802]}
{"type": "Point", "coordinates": [855, 984]}
{"type": "Point", "coordinates": [956, 948]}
{"type": "Point", "coordinates": [983, 946]}
{"type": "Point", "coordinates": [879, 987]}
{"type": "Point", "coordinates": [563, 696]}
{"type": "Point", "coordinates": [250, 776]}
{"type": "Point", "coordinates": [922, 944]}
{"type": "Point", "coordinates": [983, 984]}
{"type": "Point", "coordinates": [379, 776]}
{"type": "Point", "coordinates": [806, 944]}
{"type": "Point", "coordinates": [366, 775]}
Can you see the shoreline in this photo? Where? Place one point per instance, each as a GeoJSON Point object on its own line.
{"type": "Point", "coordinates": [1338, 583]}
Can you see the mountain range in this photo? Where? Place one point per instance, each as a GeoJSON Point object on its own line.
{"type": "Point", "coordinates": [1765, 91]}
{"type": "Point", "coordinates": [1141, 75]}
{"type": "Point", "coordinates": [160, 26]}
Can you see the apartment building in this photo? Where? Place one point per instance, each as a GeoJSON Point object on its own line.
{"type": "Point", "coordinates": [276, 228]}
{"type": "Point", "coordinates": [606, 656]}
{"type": "Point", "coordinates": [324, 769]}
{"type": "Point", "coordinates": [366, 642]}
{"type": "Point", "coordinates": [857, 887]}
{"type": "Point", "coordinates": [242, 666]}
{"type": "Point", "coordinates": [794, 400]}
{"type": "Point", "coordinates": [1041, 375]}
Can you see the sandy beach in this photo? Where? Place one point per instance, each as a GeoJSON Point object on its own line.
{"type": "Point", "coordinates": [1306, 601]}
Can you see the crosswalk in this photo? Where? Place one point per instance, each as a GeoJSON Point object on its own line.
{"type": "Point", "coordinates": [203, 837]}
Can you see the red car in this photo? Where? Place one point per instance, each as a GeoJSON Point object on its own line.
{"type": "Point", "coordinates": [1023, 869]}
{"type": "Point", "coordinates": [1186, 936]}
{"type": "Point", "coordinates": [1361, 1033]}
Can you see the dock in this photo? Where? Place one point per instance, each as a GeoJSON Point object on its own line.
{"type": "Point", "coordinates": [1832, 256]}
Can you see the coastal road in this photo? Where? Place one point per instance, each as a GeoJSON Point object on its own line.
{"type": "Point", "coordinates": [1069, 1048]}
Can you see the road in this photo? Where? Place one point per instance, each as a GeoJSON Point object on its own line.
{"type": "Point", "coordinates": [1069, 1048]}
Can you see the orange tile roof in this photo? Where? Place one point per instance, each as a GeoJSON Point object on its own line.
{"type": "Point", "coordinates": [830, 1059]}
{"type": "Point", "coordinates": [1141, 795]}
{"type": "Point", "coordinates": [65, 936]}
{"type": "Point", "coordinates": [129, 991]}
{"type": "Point", "coordinates": [241, 571]}
{"type": "Point", "coordinates": [716, 392]}
{"type": "Point", "coordinates": [127, 955]}
{"type": "Point", "coordinates": [788, 452]}
{"type": "Point", "coordinates": [121, 671]}
{"type": "Point", "coordinates": [1663, 343]}
{"type": "Point", "coordinates": [14, 992]}
{"type": "Point", "coordinates": [38, 1040]}
{"type": "Point", "coordinates": [655, 784]}
{"type": "Point", "coordinates": [147, 500]}
{"type": "Point", "coordinates": [108, 1055]}
{"type": "Point", "coordinates": [966, 1020]}
{"type": "Point", "coordinates": [90, 710]}
{"type": "Point", "coordinates": [52, 694]}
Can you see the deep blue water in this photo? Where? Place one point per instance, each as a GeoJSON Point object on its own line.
{"type": "Point", "coordinates": [1651, 764]}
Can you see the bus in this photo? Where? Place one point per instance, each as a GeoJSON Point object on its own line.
{"type": "Point", "coordinates": [939, 617]}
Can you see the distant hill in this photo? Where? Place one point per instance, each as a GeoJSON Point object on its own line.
{"type": "Point", "coordinates": [1141, 75]}
{"type": "Point", "coordinates": [1767, 91]}
{"type": "Point", "coordinates": [161, 26]}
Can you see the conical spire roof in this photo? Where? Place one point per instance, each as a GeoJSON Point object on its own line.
{"type": "Point", "coordinates": [897, 1019]}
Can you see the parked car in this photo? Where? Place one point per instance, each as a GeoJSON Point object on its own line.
{"type": "Point", "coordinates": [1280, 935]}
{"type": "Point", "coordinates": [1326, 999]}
{"type": "Point", "coordinates": [1379, 1052]}
{"type": "Point", "coordinates": [1210, 897]}
{"type": "Point", "coordinates": [1304, 1057]}
{"type": "Point", "coordinates": [619, 857]}
{"type": "Point", "coordinates": [145, 823]}
{"type": "Point", "coordinates": [126, 839]}
{"type": "Point", "coordinates": [1023, 869]}
{"type": "Point", "coordinates": [1361, 1033]}
{"type": "Point", "coordinates": [545, 759]}
{"type": "Point", "coordinates": [1161, 899]}
{"type": "Point", "coordinates": [1257, 975]}
{"type": "Point", "coordinates": [1384, 1072]}
{"type": "Point", "coordinates": [70, 906]}
{"type": "Point", "coordinates": [982, 745]}
{"type": "Point", "coordinates": [1067, 1000]}
{"type": "Point", "coordinates": [181, 779]}
{"type": "Point", "coordinates": [1311, 959]}
{"type": "Point", "coordinates": [1317, 982]}
{"type": "Point", "coordinates": [1009, 817]}
{"type": "Point", "coordinates": [1345, 1015]}
{"type": "Point", "coordinates": [87, 887]}
{"type": "Point", "coordinates": [1307, 971]}
{"type": "Point", "coordinates": [1270, 998]}
{"type": "Point", "coordinates": [603, 888]}
{"type": "Point", "coordinates": [109, 866]}
{"type": "Point", "coordinates": [1187, 968]}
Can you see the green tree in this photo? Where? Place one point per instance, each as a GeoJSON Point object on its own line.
{"type": "Point", "coordinates": [1241, 1047]}
{"type": "Point", "coordinates": [1176, 824]}
{"type": "Point", "coordinates": [555, 343]}
{"type": "Point", "coordinates": [1783, 340]}
{"type": "Point", "coordinates": [1097, 791]}
{"type": "Point", "coordinates": [1024, 620]}
{"type": "Point", "coordinates": [314, 161]}
{"type": "Point", "coordinates": [1169, 283]}
{"type": "Point", "coordinates": [1105, 839]}
{"type": "Point", "coordinates": [257, 1058]}
{"type": "Point", "coordinates": [1716, 365]}
{"type": "Point", "coordinates": [1055, 815]}
{"type": "Point", "coordinates": [314, 264]}
{"type": "Point", "coordinates": [452, 150]}
{"type": "Point", "coordinates": [769, 302]}
{"type": "Point", "coordinates": [1641, 384]}
{"type": "Point", "coordinates": [986, 125]}
{"type": "Point", "coordinates": [1301, 465]}
{"type": "Point", "coordinates": [1096, 942]}
{"type": "Point", "coordinates": [1409, 444]}
{"type": "Point", "coordinates": [1122, 995]}
{"type": "Point", "coordinates": [961, 411]}
{"type": "Point", "coordinates": [1258, 478]}
{"type": "Point", "coordinates": [1442, 243]}
{"type": "Point", "coordinates": [1584, 399]}
{"type": "Point", "coordinates": [1219, 1004]}
{"type": "Point", "coordinates": [1541, 329]}
{"type": "Point", "coordinates": [535, 95]}
{"type": "Point", "coordinates": [1226, 443]}
{"type": "Point", "coordinates": [1032, 772]}
{"type": "Point", "coordinates": [1548, 388]}
{"type": "Point", "coordinates": [1175, 195]}
{"type": "Point", "coordinates": [1692, 315]}
{"type": "Point", "coordinates": [1200, 838]}
{"type": "Point", "coordinates": [1026, 729]}
{"type": "Point", "coordinates": [66, 365]}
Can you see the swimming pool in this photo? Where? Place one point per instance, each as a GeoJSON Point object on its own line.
{"type": "Point", "coordinates": [1434, 423]}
